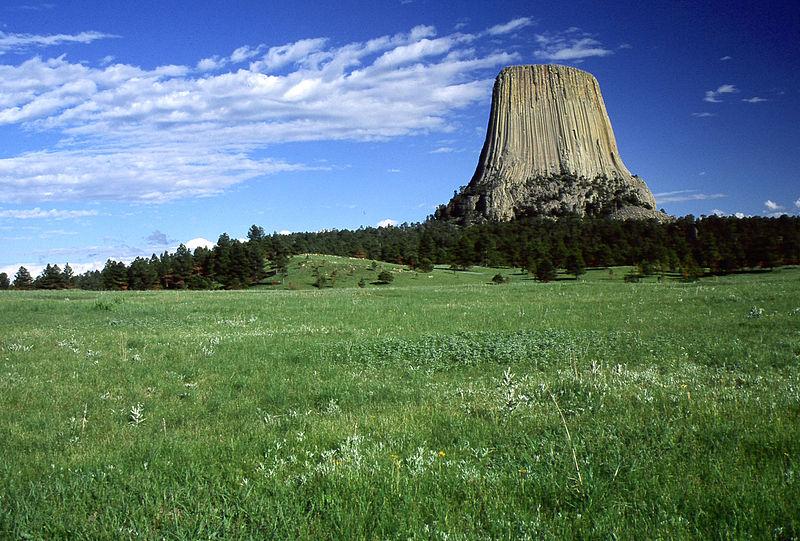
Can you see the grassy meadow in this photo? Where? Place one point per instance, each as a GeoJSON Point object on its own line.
{"type": "Point", "coordinates": [438, 407]}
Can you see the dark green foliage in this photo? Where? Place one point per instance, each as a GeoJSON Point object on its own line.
{"type": "Point", "coordinates": [115, 275]}
{"type": "Point", "coordinates": [545, 270]}
{"type": "Point", "coordinates": [68, 276]}
{"type": "Point", "coordinates": [575, 264]}
{"type": "Point", "coordinates": [50, 278]}
{"type": "Point", "coordinates": [385, 277]}
{"type": "Point", "coordinates": [5, 283]}
{"type": "Point", "coordinates": [499, 279]}
{"type": "Point", "coordinates": [716, 245]}
{"type": "Point", "coordinates": [425, 265]}
{"type": "Point", "coordinates": [23, 279]}
{"type": "Point", "coordinates": [362, 283]}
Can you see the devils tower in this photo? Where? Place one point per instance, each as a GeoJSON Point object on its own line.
{"type": "Point", "coordinates": [549, 151]}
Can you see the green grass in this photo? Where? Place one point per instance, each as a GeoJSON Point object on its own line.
{"type": "Point", "coordinates": [431, 408]}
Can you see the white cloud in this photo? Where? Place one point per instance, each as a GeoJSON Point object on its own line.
{"type": "Point", "coordinates": [388, 222]}
{"type": "Point", "coordinates": [245, 53]}
{"type": "Point", "coordinates": [704, 114]}
{"type": "Point", "coordinates": [284, 232]}
{"type": "Point", "coordinates": [772, 205]}
{"type": "Point", "coordinates": [290, 53]}
{"type": "Point", "coordinates": [686, 195]}
{"type": "Point", "coordinates": [726, 58]}
{"type": "Point", "coordinates": [797, 203]}
{"type": "Point", "coordinates": [754, 99]}
{"type": "Point", "coordinates": [511, 26]}
{"type": "Point", "coordinates": [21, 42]}
{"type": "Point", "coordinates": [442, 150]}
{"type": "Point", "coordinates": [740, 215]}
{"type": "Point", "coordinates": [145, 174]}
{"type": "Point", "coordinates": [210, 64]}
{"type": "Point", "coordinates": [571, 44]}
{"type": "Point", "coordinates": [153, 135]}
{"type": "Point", "coordinates": [712, 96]}
{"type": "Point", "coordinates": [198, 242]}
{"type": "Point", "coordinates": [52, 213]}
{"type": "Point", "coordinates": [392, 170]}
{"type": "Point", "coordinates": [414, 52]}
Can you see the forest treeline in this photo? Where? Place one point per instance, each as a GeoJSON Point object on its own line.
{"type": "Point", "coordinates": [693, 247]}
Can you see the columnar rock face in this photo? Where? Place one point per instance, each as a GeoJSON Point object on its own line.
{"type": "Point", "coordinates": [549, 151]}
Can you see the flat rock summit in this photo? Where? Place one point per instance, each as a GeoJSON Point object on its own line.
{"type": "Point", "coordinates": [549, 151]}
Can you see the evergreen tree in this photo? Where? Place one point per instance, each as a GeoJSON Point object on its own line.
{"type": "Point", "coordinates": [385, 277]}
{"type": "Point", "coordinates": [183, 265]}
{"type": "Point", "coordinates": [68, 276]}
{"type": "Point", "coordinates": [255, 234]}
{"type": "Point", "coordinates": [50, 278]}
{"type": "Point", "coordinates": [23, 279]}
{"type": "Point", "coordinates": [575, 264]}
{"type": "Point", "coordinates": [115, 275]}
{"type": "Point", "coordinates": [5, 283]}
{"type": "Point", "coordinates": [545, 270]}
{"type": "Point", "coordinates": [425, 266]}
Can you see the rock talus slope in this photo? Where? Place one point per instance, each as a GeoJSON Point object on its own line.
{"type": "Point", "coordinates": [549, 151]}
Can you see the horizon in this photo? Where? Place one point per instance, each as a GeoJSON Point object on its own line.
{"type": "Point", "coordinates": [130, 130]}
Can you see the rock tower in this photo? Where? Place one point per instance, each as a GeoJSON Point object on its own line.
{"type": "Point", "coordinates": [549, 151]}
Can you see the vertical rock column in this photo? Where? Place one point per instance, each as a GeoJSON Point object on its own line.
{"type": "Point", "coordinates": [546, 121]}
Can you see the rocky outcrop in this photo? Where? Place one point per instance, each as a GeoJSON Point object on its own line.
{"type": "Point", "coordinates": [549, 151]}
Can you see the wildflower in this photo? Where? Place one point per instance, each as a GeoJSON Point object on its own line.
{"type": "Point", "coordinates": [441, 454]}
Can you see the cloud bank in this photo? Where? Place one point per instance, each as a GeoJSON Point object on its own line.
{"type": "Point", "coordinates": [171, 132]}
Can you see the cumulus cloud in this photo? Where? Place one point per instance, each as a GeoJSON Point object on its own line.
{"type": "Point", "coordinates": [772, 205]}
{"type": "Point", "coordinates": [686, 195]}
{"type": "Point", "coordinates": [41, 213]}
{"type": "Point", "coordinates": [754, 99]}
{"type": "Point", "coordinates": [198, 242]}
{"type": "Point", "coordinates": [10, 42]}
{"type": "Point", "coordinates": [797, 203]}
{"type": "Point", "coordinates": [571, 44]}
{"type": "Point", "coordinates": [388, 222]}
{"type": "Point", "coordinates": [713, 96]}
{"type": "Point", "coordinates": [153, 135]}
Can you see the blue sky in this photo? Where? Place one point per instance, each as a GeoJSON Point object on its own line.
{"type": "Point", "coordinates": [129, 127]}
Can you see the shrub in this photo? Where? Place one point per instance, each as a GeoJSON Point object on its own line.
{"type": "Point", "coordinates": [425, 265]}
{"type": "Point", "coordinates": [385, 277]}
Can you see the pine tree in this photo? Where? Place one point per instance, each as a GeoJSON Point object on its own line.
{"type": "Point", "coordinates": [5, 283]}
{"type": "Point", "coordinates": [23, 279]}
{"type": "Point", "coordinates": [50, 278]}
{"type": "Point", "coordinates": [545, 271]}
{"type": "Point", "coordinates": [115, 275]}
{"type": "Point", "coordinates": [68, 276]}
{"type": "Point", "coordinates": [575, 264]}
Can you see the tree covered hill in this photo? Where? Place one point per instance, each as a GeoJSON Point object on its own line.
{"type": "Point", "coordinates": [689, 246]}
